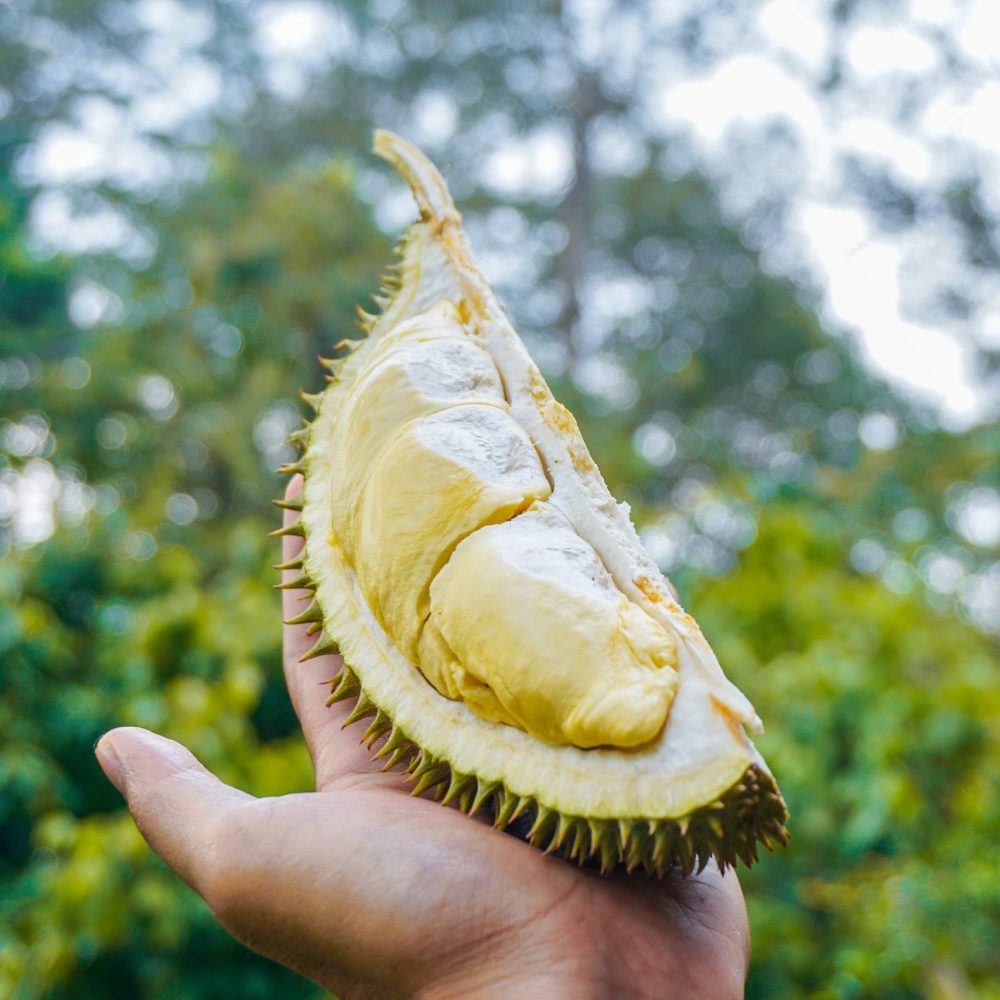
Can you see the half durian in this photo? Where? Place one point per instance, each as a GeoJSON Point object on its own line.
{"type": "Point", "coordinates": [511, 643]}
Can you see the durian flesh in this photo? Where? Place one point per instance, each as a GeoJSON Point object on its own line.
{"type": "Point", "coordinates": [496, 612]}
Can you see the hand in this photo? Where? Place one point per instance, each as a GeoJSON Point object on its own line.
{"type": "Point", "coordinates": [373, 893]}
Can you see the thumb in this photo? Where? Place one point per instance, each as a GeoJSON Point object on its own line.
{"type": "Point", "coordinates": [177, 804]}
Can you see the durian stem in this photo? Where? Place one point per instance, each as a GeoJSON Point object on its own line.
{"type": "Point", "coordinates": [429, 188]}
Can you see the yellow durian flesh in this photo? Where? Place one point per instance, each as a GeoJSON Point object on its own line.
{"type": "Point", "coordinates": [425, 365]}
{"type": "Point", "coordinates": [435, 457]}
{"type": "Point", "coordinates": [442, 477]}
{"type": "Point", "coordinates": [698, 790]}
{"type": "Point", "coordinates": [528, 610]}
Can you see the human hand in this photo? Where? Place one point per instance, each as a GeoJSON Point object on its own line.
{"type": "Point", "coordinates": [371, 892]}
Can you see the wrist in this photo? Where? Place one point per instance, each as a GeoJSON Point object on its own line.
{"type": "Point", "coordinates": [561, 968]}
{"type": "Point", "coordinates": [498, 986]}
{"type": "Point", "coordinates": [585, 971]}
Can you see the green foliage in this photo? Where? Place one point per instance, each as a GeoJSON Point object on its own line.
{"type": "Point", "coordinates": [156, 609]}
{"type": "Point", "coordinates": [881, 719]}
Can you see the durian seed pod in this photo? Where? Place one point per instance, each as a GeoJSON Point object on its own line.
{"type": "Point", "coordinates": [698, 791]}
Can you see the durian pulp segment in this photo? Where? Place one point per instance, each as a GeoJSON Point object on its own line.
{"type": "Point", "coordinates": [528, 641]}
{"type": "Point", "coordinates": [437, 266]}
{"type": "Point", "coordinates": [528, 610]}
{"type": "Point", "coordinates": [420, 367]}
{"type": "Point", "coordinates": [435, 484]}
{"type": "Point", "coordinates": [700, 756]}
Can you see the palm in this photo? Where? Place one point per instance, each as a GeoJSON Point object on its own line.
{"type": "Point", "coordinates": [417, 888]}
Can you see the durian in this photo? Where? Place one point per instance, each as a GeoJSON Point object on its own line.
{"type": "Point", "coordinates": [504, 633]}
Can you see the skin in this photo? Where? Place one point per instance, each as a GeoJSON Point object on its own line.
{"type": "Point", "coordinates": [373, 893]}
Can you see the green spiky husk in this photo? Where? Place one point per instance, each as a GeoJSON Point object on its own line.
{"type": "Point", "coordinates": [730, 828]}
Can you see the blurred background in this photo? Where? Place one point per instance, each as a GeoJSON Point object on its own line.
{"type": "Point", "coordinates": [754, 246]}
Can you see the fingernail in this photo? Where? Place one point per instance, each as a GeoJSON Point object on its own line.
{"type": "Point", "coordinates": [109, 762]}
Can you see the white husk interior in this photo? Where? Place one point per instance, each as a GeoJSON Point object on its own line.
{"type": "Point", "coordinates": [703, 750]}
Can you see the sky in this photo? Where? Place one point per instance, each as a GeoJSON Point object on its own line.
{"type": "Point", "coordinates": [763, 76]}
{"type": "Point", "coordinates": [861, 269]}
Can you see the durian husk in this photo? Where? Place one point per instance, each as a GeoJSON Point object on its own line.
{"type": "Point", "coordinates": [701, 792]}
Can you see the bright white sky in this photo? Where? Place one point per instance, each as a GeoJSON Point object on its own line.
{"type": "Point", "coordinates": [862, 271]}
{"type": "Point", "coordinates": [766, 76]}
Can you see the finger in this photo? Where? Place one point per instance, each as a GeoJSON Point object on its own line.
{"type": "Point", "coordinates": [334, 751]}
{"type": "Point", "coordinates": [177, 804]}
{"type": "Point", "coordinates": [304, 679]}
{"type": "Point", "coordinates": [297, 640]}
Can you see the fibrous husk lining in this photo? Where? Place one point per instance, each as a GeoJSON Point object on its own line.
{"type": "Point", "coordinates": [751, 811]}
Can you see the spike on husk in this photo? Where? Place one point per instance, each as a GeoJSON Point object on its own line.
{"type": "Point", "coordinates": [325, 646]}
{"type": "Point", "coordinates": [290, 529]}
{"type": "Point", "coordinates": [312, 615]}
